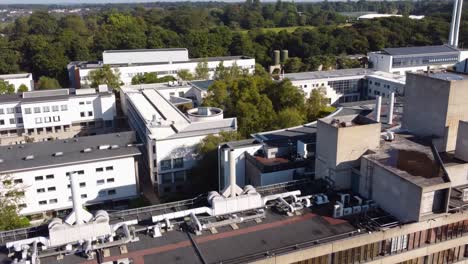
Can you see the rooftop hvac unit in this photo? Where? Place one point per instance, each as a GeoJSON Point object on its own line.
{"type": "Point", "coordinates": [101, 147]}
{"type": "Point", "coordinates": [348, 211]}
{"type": "Point", "coordinates": [58, 154]}
{"type": "Point", "coordinates": [29, 157]}
{"type": "Point", "coordinates": [338, 210]}
{"type": "Point", "coordinates": [86, 150]}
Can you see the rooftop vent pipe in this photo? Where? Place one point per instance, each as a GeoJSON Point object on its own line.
{"type": "Point", "coordinates": [232, 189]}
{"type": "Point", "coordinates": [378, 108]}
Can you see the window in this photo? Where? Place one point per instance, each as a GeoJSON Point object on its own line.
{"type": "Point", "coordinates": [18, 110]}
{"type": "Point", "coordinates": [10, 110]}
{"type": "Point", "coordinates": [47, 119]}
{"type": "Point", "coordinates": [2, 122]}
{"type": "Point", "coordinates": [166, 178]}
{"type": "Point", "coordinates": [12, 121]}
{"type": "Point", "coordinates": [39, 178]}
{"type": "Point", "coordinates": [110, 180]}
{"type": "Point", "coordinates": [21, 206]}
{"type": "Point", "coordinates": [81, 172]}
{"type": "Point", "coordinates": [40, 190]}
{"type": "Point", "coordinates": [56, 118]}
{"type": "Point", "coordinates": [111, 192]}
{"type": "Point", "coordinates": [38, 120]}
{"type": "Point", "coordinates": [46, 109]}
{"type": "Point", "coordinates": [99, 169]}
{"type": "Point", "coordinates": [64, 107]}
{"type": "Point", "coordinates": [181, 94]}
{"type": "Point", "coordinates": [51, 189]}
{"type": "Point", "coordinates": [20, 120]}
{"type": "Point", "coordinates": [179, 163]}
{"type": "Point", "coordinates": [2, 112]}
{"type": "Point", "coordinates": [90, 113]}
{"type": "Point", "coordinates": [50, 176]}
{"type": "Point", "coordinates": [82, 114]}
{"type": "Point", "coordinates": [37, 110]}
{"type": "Point", "coordinates": [165, 164]}
{"type": "Point", "coordinates": [18, 181]}
{"type": "Point", "coordinates": [53, 201]}
{"type": "Point", "coordinates": [83, 196]}
{"type": "Point", "coordinates": [82, 184]}
{"type": "Point", "coordinates": [100, 182]}
{"type": "Point", "coordinates": [101, 193]}
{"type": "Point", "coordinates": [88, 102]}
{"type": "Point", "coordinates": [42, 202]}
{"type": "Point", "coordinates": [171, 93]}
{"type": "Point", "coordinates": [55, 108]}
{"type": "Point", "coordinates": [179, 176]}
{"type": "Point", "coordinates": [81, 103]}
{"type": "Point", "coordinates": [109, 168]}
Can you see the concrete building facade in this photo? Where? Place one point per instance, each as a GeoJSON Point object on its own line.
{"type": "Point", "coordinates": [19, 79]}
{"type": "Point", "coordinates": [163, 62]}
{"type": "Point", "coordinates": [55, 114]}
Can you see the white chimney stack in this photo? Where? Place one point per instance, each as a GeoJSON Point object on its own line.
{"type": "Point", "coordinates": [391, 108]}
{"type": "Point", "coordinates": [455, 25]}
{"type": "Point", "coordinates": [378, 108]}
{"type": "Point", "coordinates": [232, 189]}
{"type": "Point", "coordinates": [79, 215]}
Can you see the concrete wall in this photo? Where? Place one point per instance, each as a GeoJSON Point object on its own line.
{"type": "Point", "coordinates": [457, 110]}
{"type": "Point", "coordinates": [393, 194]}
{"type": "Point", "coordinates": [461, 150]}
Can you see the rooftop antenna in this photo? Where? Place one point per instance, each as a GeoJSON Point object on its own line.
{"type": "Point", "coordinates": [455, 25]}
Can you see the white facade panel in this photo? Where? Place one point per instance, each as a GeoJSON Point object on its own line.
{"type": "Point", "coordinates": [18, 79]}
{"type": "Point", "coordinates": [145, 56]}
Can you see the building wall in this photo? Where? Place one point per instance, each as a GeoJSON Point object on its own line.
{"type": "Point", "coordinates": [128, 72]}
{"type": "Point", "coordinates": [117, 174]}
{"type": "Point", "coordinates": [17, 81]}
{"type": "Point", "coordinates": [381, 62]}
{"type": "Point", "coordinates": [461, 150]}
{"type": "Point", "coordinates": [380, 87]}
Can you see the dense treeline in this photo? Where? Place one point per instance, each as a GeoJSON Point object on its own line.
{"type": "Point", "coordinates": [43, 43]}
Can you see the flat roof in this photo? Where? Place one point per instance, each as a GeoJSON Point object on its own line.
{"type": "Point", "coordinates": [202, 85]}
{"type": "Point", "coordinates": [420, 50]}
{"type": "Point", "coordinates": [48, 95]}
{"type": "Point", "coordinates": [144, 50]}
{"type": "Point", "coordinates": [251, 240]}
{"type": "Point", "coordinates": [449, 76]}
{"type": "Point", "coordinates": [358, 72]}
{"type": "Point", "coordinates": [15, 76]}
{"type": "Point", "coordinates": [44, 154]}
{"type": "Point", "coordinates": [410, 158]}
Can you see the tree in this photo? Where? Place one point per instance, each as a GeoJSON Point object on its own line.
{"type": "Point", "coordinates": [6, 88]}
{"type": "Point", "coordinates": [22, 88]}
{"type": "Point", "coordinates": [11, 195]}
{"type": "Point", "coordinates": [205, 173]}
{"type": "Point", "coordinates": [289, 117]}
{"type": "Point", "coordinates": [185, 75]}
{"type": "Point", "coordinates": [293, 65]}
{"type": "Point", "coordinates": [105, 75]}
{"type": "Point", "coordinates": [46, 83]}
{"type": "Point", "coordinates": [316, 104]}
{"type": "Point", "coordinates": [284, 94]}
{"type": "Point", "coordinates": [202, 72]}
{"type": "Point", "coordinates": [9, 58]}
{"type": "Point", "coordinates": [147, 77]}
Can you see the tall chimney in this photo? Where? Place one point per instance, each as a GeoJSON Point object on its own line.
{"type": "Point", "coordinates": [455, 25]}
{"type": "Point", "coordinates": [232, 189]}
{"type": "Point", "coordinates": [76, 198]}
{"type": "Point", "coordinates": [391, 107]}
{"type": "Point", "coordinates": [378, 108]}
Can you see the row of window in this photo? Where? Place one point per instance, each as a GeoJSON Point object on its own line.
{"type": "Point", "coordinates": [109, 180]}
{"type": "Point", "coordinates": [83, 114]}
{"type": "Point", "coordinates": [40, 178]}
{"type": "Point", "coordinates": [108, 168]}
{"type": "Point", "coordinates": [178, 176]}
{"type": "Point", "coordinates": [47, 119]}
{"type": "Point", "coordinates": [43, 190]}
{"type": "Point", "coordinates": [13, 121]}
{"type": "Point", "coordinates": [87, 102]}
{"type": "Point", "coordinates": [44, 109]}
{"type": "Point", "coordinates": [83, 196]}
{"type": "Point", "coordinates": [11, 110]}
{"type": "Point", "coordinates": [172, 164]}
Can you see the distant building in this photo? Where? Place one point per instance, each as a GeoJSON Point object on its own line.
{"type": "Point", "coordinates": [348, 85]}
{"type": "Point", "coordinates": [55, 114]}
{"type": "Point", "coordinates": [373, 16]}
{"type": "Point", "coordinates": [416, 59]}
{"type": "Point", "coordinates": [106, 165]}
{"type": "Point", "coordinates": [18, 79]}
{"type": "Point", "coordinates": [169, 135]}
{"type": "Point", "coordinates": [163, 62]}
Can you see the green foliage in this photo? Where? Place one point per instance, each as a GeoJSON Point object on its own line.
{"type": "Point", "coordinates": [6, 88]}
{"type": "Point", "coordinates": [289, 117]}
{"type": "Point", "coordinates": [293, 65]}
{"type": "Point", "coordinates": [151, 77]}
{"type": "Point", "coordinates": [105, 75]}
{"type": "Point", "coordinates": [316, 104]}
{"type": "Point", "coordinates": [22, 88]}
{"type": "Point", "coordinates": [202, 72]}
{"type": "Point", "coordinates": [46, 83]}
{"type": "Point", "coordinates": [11, 195]}
{"type": "Point", "coordinates": [185, 75]}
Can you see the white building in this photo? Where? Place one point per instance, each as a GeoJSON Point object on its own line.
{"type": "Point", "coordinates": [18, 79]}
{"type": "Point", "coordinates": [169, 136]}
{"type": "Point", "coordinates": [348, 85]}
{"type": "Point", "coordinates": [163, 62]}
{"type": "Point", "coordinates": [106, 165]}
{"type": "Point", "coordinates": [416, 59]}
{"type": "Point", "coordinates": [52, 114]}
